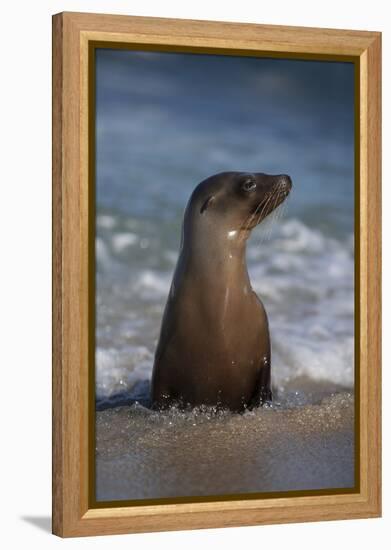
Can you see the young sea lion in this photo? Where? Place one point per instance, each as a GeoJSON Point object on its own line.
{"type": "Point", "coordinates": [214, 346]}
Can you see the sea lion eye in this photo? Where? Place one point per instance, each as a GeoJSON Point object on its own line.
{"type": "Point", "coordinates": [249, 185]}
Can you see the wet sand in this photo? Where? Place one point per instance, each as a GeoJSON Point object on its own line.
{"type": "Point", "coordinates": [143, 454]}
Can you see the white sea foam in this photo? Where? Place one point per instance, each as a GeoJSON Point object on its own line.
{"type": "Point", "coordinates": [105, 221]}
{"type": "Point", "coordinates": [153, 284]}
{"type": "Point", "coordinates": [306, 282]}
{"type": "Point", "coordinates": [121, 241]}
{"type": "Point", "coordinates": [102, 252]}
{"type": "Point", "coordinates": [117, 370]}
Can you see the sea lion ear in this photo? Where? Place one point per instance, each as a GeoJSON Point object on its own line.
{"type": "Point", "coordinates": [206, 204]}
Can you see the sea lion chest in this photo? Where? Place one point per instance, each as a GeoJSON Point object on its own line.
{"type": "Point", "coordinates": [216, 337]}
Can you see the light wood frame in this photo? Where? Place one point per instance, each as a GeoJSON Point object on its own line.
{"type": "Point", "coordinates": [73, 514]}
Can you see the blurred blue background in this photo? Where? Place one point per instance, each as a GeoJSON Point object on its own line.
{"type": "Point", "coordinates": [165, 121]}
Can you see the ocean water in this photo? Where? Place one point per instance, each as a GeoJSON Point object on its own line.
{"type": "Point", "coordinates": [164, 123]}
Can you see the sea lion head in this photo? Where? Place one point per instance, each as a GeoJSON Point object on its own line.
{"type": "Point", "coordinates": [238, 200]}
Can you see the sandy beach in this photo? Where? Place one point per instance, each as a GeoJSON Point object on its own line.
{"type": "Point", "coordinates": [144, 454]}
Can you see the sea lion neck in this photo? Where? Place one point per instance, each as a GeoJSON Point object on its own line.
{"type": "Point", "coordinates": [221, 252]}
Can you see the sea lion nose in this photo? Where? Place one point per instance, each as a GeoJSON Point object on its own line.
{"type": "Point", "coordinates": [285, 183]}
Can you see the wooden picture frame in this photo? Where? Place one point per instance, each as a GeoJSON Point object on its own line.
{"type": "Point", "coordinates": [74, 37]}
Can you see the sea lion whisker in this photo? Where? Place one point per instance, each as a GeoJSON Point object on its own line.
{"type": "Point", "coordinates": [250, 218]}
{"type": "Point", "coordinates": [268, 201]}
{"type": "Point", "coordinates": [281, 210]}
{"type": "Point", "coordinates": [273, 219]}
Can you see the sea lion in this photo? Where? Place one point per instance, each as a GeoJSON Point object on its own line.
{"type": "Point", "coordinates": [214, 345]}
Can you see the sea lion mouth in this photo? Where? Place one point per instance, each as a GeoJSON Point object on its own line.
{"type": "Point", "coordinates": [266, 206]}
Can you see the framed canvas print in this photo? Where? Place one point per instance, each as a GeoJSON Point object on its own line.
{"type": "Point", "coordinates": [216, 274]}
